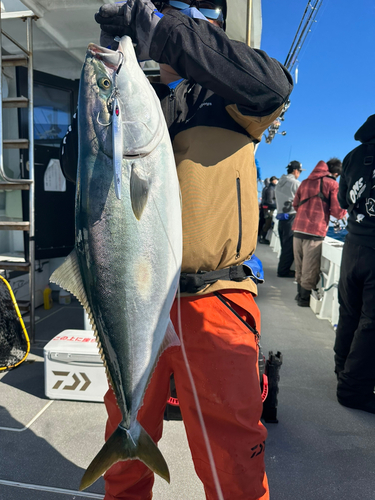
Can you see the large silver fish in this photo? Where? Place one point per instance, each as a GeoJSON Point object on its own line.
{"type": "Point", "coordinates": [126, 262]}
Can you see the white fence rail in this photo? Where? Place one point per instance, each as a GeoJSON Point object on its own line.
{"type": "Point", "coordinates": [324, 304]}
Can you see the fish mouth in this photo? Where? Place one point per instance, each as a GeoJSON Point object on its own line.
{"type": "Point", "coordinates": [112, 58]}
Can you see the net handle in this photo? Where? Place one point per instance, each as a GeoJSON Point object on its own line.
{"type": "Point", "coordinates": [21, 323]}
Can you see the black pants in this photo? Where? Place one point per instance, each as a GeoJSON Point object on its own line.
{"type": "Point", "coordinates": [355, 335]}
{"type": "Point", "coordinates": [286, 241]}
{"type": "Point", "coordinates": [267, 217]}
{"type": "Point", "coordinates": [261, 220]}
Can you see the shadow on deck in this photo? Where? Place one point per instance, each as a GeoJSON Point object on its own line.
{"type": "Point", "coordinates": [319, 450]}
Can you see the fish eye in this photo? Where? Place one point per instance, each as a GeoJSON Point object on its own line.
{"type": "Point", "coordinates": [104, 83]}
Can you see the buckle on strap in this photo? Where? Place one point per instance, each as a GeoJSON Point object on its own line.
{"type": "Point", "coordinates": [194, 282]}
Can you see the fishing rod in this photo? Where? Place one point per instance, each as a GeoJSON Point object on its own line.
{"type": "Point", "coordinates": [296, 47]}
{"type": "Point", "coordinates": [304, 28]}
{"type": "Point", "coordinates": [298, 29]}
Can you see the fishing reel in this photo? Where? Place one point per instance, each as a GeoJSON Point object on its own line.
{"type": "Point", "coordinates": [338, 226]}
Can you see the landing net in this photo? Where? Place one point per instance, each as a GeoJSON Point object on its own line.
{"type": "Point", "coordinates": [14, 341]}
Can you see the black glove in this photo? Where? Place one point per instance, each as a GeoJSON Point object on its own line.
{"type": "Point", "coordinates": [135, 18]}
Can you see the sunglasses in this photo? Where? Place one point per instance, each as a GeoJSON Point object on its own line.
{"type": "Point", "coordinates": [208, 9]}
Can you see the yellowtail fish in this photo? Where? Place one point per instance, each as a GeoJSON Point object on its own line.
{"type": "Point", "coordinates": [126, 263]}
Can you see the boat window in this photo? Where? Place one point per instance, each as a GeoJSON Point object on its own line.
{"type": "Point", "coordinates": [52, 114]}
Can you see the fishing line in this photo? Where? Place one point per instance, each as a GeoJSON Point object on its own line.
{"type": "Point", "coordinates": [191, 379]}
{"type": "Point", "coordinates": [196, 399]}
{"type": "Point", "coordinates": [115, 94]}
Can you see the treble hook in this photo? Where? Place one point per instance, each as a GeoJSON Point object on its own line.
{"type": "Point", "coordinates": [103, 124]}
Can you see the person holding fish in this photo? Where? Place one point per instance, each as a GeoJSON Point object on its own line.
{"type": "Point", "coordinates": [218, 96]}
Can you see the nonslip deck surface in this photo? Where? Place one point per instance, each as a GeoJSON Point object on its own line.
{"type": "Point", "coordinates": [318, 450]}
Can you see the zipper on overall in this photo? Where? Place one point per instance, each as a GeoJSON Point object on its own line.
{"type": "Point", "coordinates": [254, 331]}
{"type": "Point", "coordinates": [239, 241]}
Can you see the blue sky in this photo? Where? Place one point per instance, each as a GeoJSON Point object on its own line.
{"type": "Point", "coordinates": [335, 92]}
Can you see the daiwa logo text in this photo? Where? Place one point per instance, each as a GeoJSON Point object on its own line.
{"type": "Point", "coordinates": [86, 381]}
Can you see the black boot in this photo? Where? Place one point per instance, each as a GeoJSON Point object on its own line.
{"type": "Point", "coordinates": [304, 299]}
{"type": "Point", "coordinates": [361, 404]}
{"type": "Point", "coordinates": [298, 296]}
{"type": "Point", "coordinates": [263, 240]}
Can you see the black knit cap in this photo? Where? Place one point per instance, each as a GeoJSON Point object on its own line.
{"type": "Point", "coordinates": [366, 132]}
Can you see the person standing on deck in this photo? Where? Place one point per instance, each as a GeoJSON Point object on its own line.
{"type": "Point", "coordinates": [285, 191]}
{"type": "Point", "coordinates": [218, 96]}
{"type": "Point", "coordinates": [259, 171]}
{"type": "Point", "coordinates": [268, 206]}
{"type": "Point", "coordinates": [355, 335]}
{"type": "Point", "coordinates": [315, 201]}
{"type": "Point", "coordinates": [266, 183]}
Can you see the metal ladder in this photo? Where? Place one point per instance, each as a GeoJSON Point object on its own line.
{"type": "Point", "coordinates": [23, 59]}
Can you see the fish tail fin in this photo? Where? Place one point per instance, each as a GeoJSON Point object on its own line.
{"type": "Point", "coordinates": [126, 445]}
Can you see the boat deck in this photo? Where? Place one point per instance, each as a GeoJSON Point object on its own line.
{"type": "Point", "coordinates": [318, 450]}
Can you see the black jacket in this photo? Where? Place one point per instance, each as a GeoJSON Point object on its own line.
{"type": "Point", "coordinates": [229, 94]}
{"type": "Point", "coordinates": [218, 73]}
{"type": "Point", "coordinates": [357, 186]}
{"type": "Point", "coordinates": [269, 198]}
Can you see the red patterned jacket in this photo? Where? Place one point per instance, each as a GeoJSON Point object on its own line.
{"type": "Point", "coordinates": [313, 215]}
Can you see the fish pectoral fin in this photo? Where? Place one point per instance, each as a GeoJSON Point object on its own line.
{"type": "Point", "coordinates": [124, 444]}
{"type": "Point", "coordinates": [139, 189]}
{"type": "Point", "coordinates": [68, 276]}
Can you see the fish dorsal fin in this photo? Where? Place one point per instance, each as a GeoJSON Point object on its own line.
{"type": "Point", "coordinates": [139, 189]}
{"type": "Point", "coordinates": [68, 276]}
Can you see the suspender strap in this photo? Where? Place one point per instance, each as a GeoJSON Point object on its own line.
{"type": "Point", "coordinates": [319, 195]}
{"type": "Point", "coordinates": [193, 283]}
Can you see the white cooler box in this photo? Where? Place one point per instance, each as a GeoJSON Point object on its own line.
{"type": "Point", "coordinates": [73, 368]}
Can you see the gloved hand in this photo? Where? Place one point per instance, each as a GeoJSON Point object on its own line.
{"type": "Point", "coordinates": [135, 18]}
{"type": "Point", "coordinates": [108, 41]}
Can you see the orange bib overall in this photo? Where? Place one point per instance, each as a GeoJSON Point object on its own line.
{"type": "Point", "coordinates": [223, 356]}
